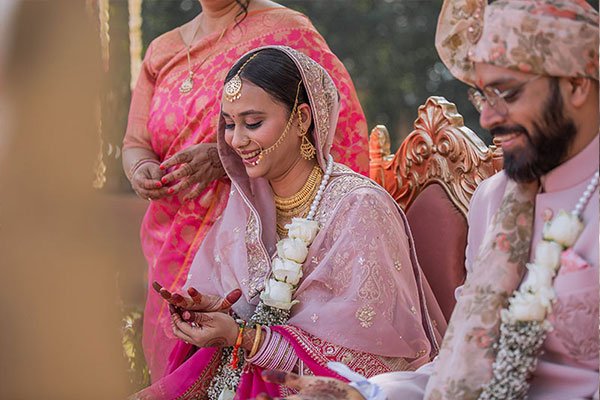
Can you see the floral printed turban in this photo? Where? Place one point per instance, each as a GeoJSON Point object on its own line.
{"type": "Point", "coordinates": [545, 37]}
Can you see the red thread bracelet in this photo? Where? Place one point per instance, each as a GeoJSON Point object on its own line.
{"type": "Point", "coordinates": [238, 343]}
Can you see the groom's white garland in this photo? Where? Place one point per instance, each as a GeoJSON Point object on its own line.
{"type": "Point", "coordinates": [524, 326]}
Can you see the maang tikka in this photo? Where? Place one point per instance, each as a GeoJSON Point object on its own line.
{"type": "Point", "coordinates": [233, 88]}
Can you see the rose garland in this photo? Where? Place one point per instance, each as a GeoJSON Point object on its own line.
{"type": "Point", "coordinates": [276, 298]}
{"type": "Point", "coordinates": [524, 326]}
{"type": "Point", "coordinates": [286, 270]}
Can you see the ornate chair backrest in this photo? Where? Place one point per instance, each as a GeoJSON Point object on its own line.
{"type": "Point", "coordinates": [432, 177]}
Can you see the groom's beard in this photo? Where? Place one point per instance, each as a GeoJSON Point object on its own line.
{"type": "Point", "coordinates": [546, 146]}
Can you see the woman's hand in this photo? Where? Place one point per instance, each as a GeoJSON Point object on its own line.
{"type": "Point", "coordinates": [214, 329]}
{"type": "Point", "coordinates": [311, 387]}
{"type": "Point", "coordinates": [198, 301]}
{"type": "Point", "coordinates": [198, 165]}
{"type": "Point", "coordinates": [145, 181]}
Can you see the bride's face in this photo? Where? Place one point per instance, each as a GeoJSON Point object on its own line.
{"type": "Point", "coordinates": [255, 122]}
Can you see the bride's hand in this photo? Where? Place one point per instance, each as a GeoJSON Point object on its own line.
{"type": "Point", "coordinates": [198, 301]}
{"type": "Point", "coordinates": [214, 329]}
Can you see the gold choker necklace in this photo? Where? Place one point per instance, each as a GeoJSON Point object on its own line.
{"type": "Point", "coordinates": [298, 204]}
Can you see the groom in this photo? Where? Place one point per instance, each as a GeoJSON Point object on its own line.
{"type": "Point", "coordinates": [533, 69]}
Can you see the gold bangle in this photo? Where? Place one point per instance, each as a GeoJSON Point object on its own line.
{"type": "Point", "coordinates": [256, 341]}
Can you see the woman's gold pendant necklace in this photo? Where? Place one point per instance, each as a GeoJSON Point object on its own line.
{"type": "Point", "coordinates": [188, 84]}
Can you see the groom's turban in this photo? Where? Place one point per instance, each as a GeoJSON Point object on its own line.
{"type": "Point", "coordinates": [545, 37]}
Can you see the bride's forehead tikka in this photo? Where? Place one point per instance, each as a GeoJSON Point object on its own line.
{"type": "Point", "coordinates": [233, 88]}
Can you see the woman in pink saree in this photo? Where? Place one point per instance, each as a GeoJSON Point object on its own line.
{"type": "Point", "coordinates": [335, 280]}
{"type": "Point", "coordinates": [173, 126]}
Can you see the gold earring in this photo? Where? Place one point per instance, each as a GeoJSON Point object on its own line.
{"type": "Point", "coordinates": [307, 150]}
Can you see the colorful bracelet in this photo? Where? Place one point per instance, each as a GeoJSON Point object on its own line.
{"type": "Point", "coordinates": [238, 343]}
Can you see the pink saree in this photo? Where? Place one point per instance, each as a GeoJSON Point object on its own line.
{"type": "Point", "coordinates": [164, 121]}
{"type": "Point", "coordinates": [363, 299]}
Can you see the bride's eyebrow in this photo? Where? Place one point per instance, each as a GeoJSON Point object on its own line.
{"type": "Point", "coordinates": [245, 113]}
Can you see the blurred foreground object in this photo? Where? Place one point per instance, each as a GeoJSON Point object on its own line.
{"type": "Point", "coordinates": [61, 328]}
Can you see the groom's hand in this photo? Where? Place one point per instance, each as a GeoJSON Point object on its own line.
{"type": "Point", "coordinates": [311, 387]}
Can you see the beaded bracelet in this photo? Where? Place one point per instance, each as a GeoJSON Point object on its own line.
{"type": "Point", "coordinates": [238, 343]}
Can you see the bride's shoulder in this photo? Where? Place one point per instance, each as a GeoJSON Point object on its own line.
{"type": "Point", "coordinates": [344, 181]}
{"type": "Point", "coordinates": [347, 186]}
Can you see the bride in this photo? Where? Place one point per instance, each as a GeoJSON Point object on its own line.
{"type": "Point", "coordinates": [321, 256]}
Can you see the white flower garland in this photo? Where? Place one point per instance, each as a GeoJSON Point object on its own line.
{"type": "Point", "coordinates": [523, 323]}
{"type": "Point", "coordinates": [276, 298]}
{"type": "Point", "coordinates": [286, 270]}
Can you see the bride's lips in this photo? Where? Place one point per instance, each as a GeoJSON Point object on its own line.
{"type": "Point", "coordinates": [250, 157]}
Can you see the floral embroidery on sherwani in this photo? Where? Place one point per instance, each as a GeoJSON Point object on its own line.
{"type": "Point", "coordinates": [464, 365]}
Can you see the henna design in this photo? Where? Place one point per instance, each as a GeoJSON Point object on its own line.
{"type": "Point", "coordinates": [325, 390]}
{"type": "Point", "coordinates": [213, 158]}
{"type": "Point", "coordinates": [197, 301]}
{"type": "Point", "coordinates": [216, 342]}
{"type": "Point", "coordinates": [231, 298]}
{"type": "Point", "coordinates": [248, 338]}
{"type": "Point", "coordinates": [199, 318]}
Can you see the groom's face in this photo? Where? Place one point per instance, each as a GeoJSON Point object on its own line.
{"type": "Point", "coordinates": [535, 132]}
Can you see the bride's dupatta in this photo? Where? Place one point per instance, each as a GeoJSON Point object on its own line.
{"type": "Point", "coordinates": [363, 300]}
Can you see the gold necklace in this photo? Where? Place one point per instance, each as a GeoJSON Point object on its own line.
{"type": "Point", "coordinates": [188, 83]}
{"type": "Point", "coordinates": [298, 204]}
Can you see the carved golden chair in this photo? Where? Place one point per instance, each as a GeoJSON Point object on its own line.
{"type": "Point", "coordinates": [432, 177]}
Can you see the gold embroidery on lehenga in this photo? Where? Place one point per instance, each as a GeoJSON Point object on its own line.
{"type": "Point", "coordinates": [321, 90]}
{"type": "Point", "coordinates": [396, 363]}
{"type": "Point", "coordinates": [322, 352]}
{"type": "Point", "coordinates": [342, 183]}
{"type": "Point", "coordinates": [398, 265]}
{"type": "Point", "coordinates": [198, 390]}
{"type": "Point", "coordinates": [365, 315]}
{"type": "Point", "coordinates": [258, 264]}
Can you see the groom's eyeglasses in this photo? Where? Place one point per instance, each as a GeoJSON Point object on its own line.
{"type": "Point", "coordinates": [495, 98]}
